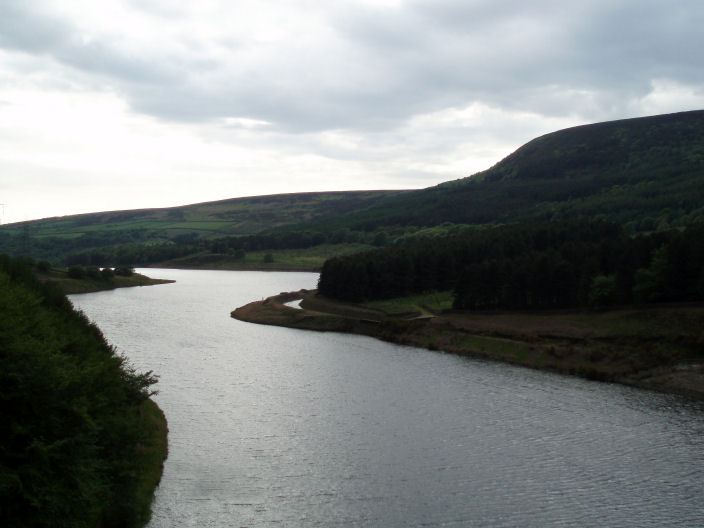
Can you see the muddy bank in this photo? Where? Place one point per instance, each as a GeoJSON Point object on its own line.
{"type": "Point", "coordinates": [654, 348]}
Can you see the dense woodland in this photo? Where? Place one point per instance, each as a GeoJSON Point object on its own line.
{"type": "Point", "coordinates": [72, 428]}
{"type": "Point", "coordinates": [540, 266]}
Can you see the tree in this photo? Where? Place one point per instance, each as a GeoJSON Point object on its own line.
{"type": "Point", "coordinates": [124, 271]}
{"type": "Point", "coordinates": [603, 291]}
{"type": "Point", "coordinates": [649, 285]}
{"type": "Point", "coordinates": [77, 272]}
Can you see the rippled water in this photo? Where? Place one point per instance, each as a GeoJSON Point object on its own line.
{"type": "Point", "coordinates": [273, 426]}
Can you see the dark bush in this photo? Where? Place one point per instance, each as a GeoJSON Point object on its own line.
{"type": "Point", "coordinates": [77, 272]}
{"type": "Point", "coordinates": [72, 428]}
{"type": "Point", "coordinates": [124, 271]}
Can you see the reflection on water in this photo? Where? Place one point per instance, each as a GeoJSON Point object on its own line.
{"type": "Point", "coordinates": [273, 426]}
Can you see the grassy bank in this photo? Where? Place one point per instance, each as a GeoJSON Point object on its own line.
{"type": "Point", "coordinates": [146, 468]}
{"type": "Point", "coordinates": [659, 348]}
{"type": "Point", "coordinates": [150, 457]}
{"type": "Point", "coordinates": [82, 444]}
{"type": "Point", "coordinates": [87, 285]}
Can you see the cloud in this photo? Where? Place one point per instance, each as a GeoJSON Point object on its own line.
{"type": "Point", "coordinates": [342, 94]}
{"type": "Point", "coordinates": [356, 66]}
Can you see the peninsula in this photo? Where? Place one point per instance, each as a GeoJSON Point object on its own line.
{"type": "Point", "coordinates": [657, 348]}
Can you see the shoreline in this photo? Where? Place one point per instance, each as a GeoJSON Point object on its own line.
{"type": "Point", "coordinates": [77, 286]}
{"type": "Point", "coordinates": [151, 455]}
{"type": "Point", "coordinates": [655, 348]}
{"type": "Point", "coordinates": [233, 268]}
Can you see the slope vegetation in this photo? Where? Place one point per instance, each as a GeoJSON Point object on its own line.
{"type": "Point", "coordinates": [54, 238]}
{"type": "Point", "coordinates": [645, 174]}
{"type": "Point", "coordinates": [81, 444]}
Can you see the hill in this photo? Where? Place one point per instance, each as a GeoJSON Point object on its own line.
{"type": "Point", "coordinates": [54, 238]}
{"type": "Point", "coordinates": [645, 174]}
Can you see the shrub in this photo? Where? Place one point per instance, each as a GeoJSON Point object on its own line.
{"type": "Point", "coordinates": [602, 291]}
{"type": "Point", "coordinates": [77, 272]}
{"type": "Point", "coordinates": [124, 271]}
{"type": "Point", "coordinates": [72, 426]}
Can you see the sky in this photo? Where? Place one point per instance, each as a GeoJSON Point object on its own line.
{"type": "Point", "coordinates": [125, 104]}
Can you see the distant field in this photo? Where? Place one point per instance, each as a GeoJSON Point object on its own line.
{"type": "Point", "coordinates": [434, 302]}
{"type": "Point", "coordinates": [63, 240]}
{"type": "Point", "coordinates": [239, 215]}
{"type": "Point", "coordinates": [310, 259]}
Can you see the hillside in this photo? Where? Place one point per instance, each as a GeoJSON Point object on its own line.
{"type": "Point", "coordinates": [54, 238]}
{"type": "Point", "coordinates": [645, 174]}
{"type": "Point", "coordinates": [82, 443]}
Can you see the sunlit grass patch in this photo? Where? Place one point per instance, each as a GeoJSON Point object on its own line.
{"type": "Point", "coordinates": [433, 302]}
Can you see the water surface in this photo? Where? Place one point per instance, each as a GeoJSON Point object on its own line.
{"type": "Point", "coordinates": [279, 427]}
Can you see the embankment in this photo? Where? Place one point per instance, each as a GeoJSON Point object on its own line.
{"type": "Point", "coordinates": [88, 285]}
{"type": "Point", "coordinates": [655, 348]}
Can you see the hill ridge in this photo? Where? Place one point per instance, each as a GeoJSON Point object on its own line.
{"type": "Point", "coordinates": [644, 173]}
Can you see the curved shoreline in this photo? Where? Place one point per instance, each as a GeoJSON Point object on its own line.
{"type": "Point", "coordinates": [77, 286]}
{"type": "Point", "coordinates": [152, 455]}
{"type": "Point", "coordinates": [620, 347]}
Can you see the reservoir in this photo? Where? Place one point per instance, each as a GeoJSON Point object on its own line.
{"type": "Point", "coordinates": [272, 426]}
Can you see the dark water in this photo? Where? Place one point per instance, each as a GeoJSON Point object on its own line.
{"type": "Point", "coordinates": [277, 427]}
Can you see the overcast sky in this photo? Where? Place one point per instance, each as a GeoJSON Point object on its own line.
{"type": "Point", "coordinates": [123, 104]}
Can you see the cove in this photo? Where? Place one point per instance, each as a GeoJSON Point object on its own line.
{"type": "Point", "coordinates": [275, 426]}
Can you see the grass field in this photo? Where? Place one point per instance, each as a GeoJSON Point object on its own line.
{"type": "Point", "coordinates": [425, 304]}
{"type": "Point", "coordinates": [237, 216]}
{"type": "Point", "coordinates": [309, 259]}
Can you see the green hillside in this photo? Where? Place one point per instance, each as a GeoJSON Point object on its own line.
{"type": "Point", "coordinates": [558, 221]}
{"type": "Point", "coordinates": [54, 238]}
{"type": "Point", "coordinates": [81, 443]}
{"type": "Point", "coordinates": [645, 174]}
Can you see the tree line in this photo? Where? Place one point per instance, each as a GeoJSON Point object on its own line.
{"type": "Point", "coordinates": [135, 254]}
{"type": "Point", "coordinates": [538, 266]}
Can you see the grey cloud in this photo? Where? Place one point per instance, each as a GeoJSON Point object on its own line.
{"type": "Point", "coordinates": [27, 30]}
{"type": "Point", "coordinates": [99, 58]}
{"type": "Point", "coordinates": [385, 66]}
